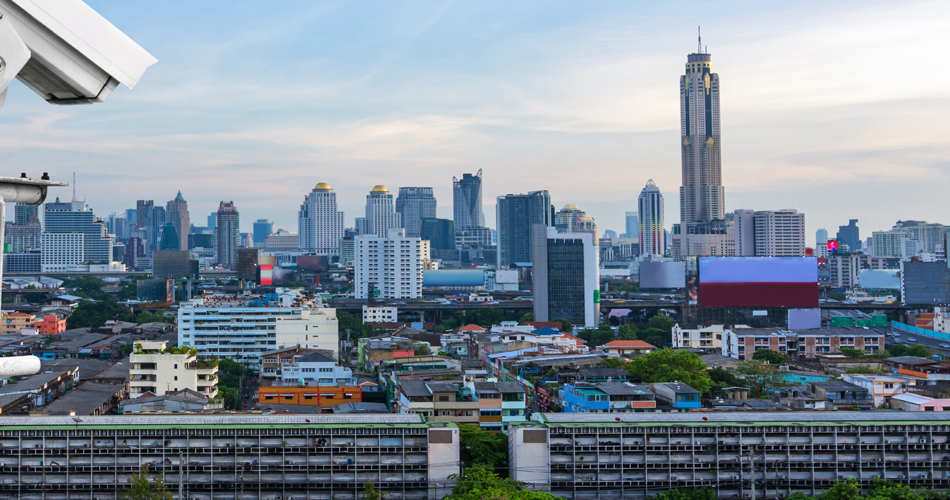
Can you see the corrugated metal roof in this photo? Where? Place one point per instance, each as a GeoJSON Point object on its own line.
{"type": "Point", "coordinates": [217, 419]}
{"type": "Point", "coordinates": [805, 418]}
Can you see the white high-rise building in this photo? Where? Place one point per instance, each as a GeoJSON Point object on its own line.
{"type": "Point", "coordinates": [61, 250]}
{"type": "Point", "coordinates": [76, 217]}
{"type": "Point", "coordinates": [769, 233]}
{"type": "Point", "coordinates": [821, 243]}
{"type": "Point", "coordinates": [652, 236]}
{"type": "Point", "coordinates": [566, 275]}
{"type": "Point", "coordinates": [381, 215]}
{"type": "Point", "coordinates": [237, 328]}
{"type": "Point", "coordinates": [392, 265]}
{"type": "Point", "coordinates": [319, 223]}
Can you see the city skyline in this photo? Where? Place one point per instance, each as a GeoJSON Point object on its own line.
{"type": "Point", "coordinates": [816, 130]}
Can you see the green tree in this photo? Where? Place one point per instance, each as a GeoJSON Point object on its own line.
{"type": "Point", "coordinates": [836, 296]}
{"type": "Point", "coordinates": [851, 352]}
{"type": "Point", "coordinates": [843, 490]}
{"type": "Point", "coordinates": [864, 370]}
{"type": "Point", "coordinates": [671, 365]}
{"type": "Point", "coordinates": [628, 332]}
{"type": "Point", "coordinates": [602, 335]}
{"type": "Point", "coordinates": [763, 378]}
{"type": "Point", "coordinates": [229, 374]}
{"type": "Point", "coordinates": [566, 325]}
{"type": "Point", "coordinates": [144, 489]}
{"type": "Point", "coordinates": [661, 321]}
{"type": "Point", "coordinates": [89, 287]}
{"type": "Point", "coordinates": [526, 317]}
{"type": "Point", "coordinates": [614, 363]}
{"type": "Point", "coordinates": [95, 314]}
{"type": "Point", "coordinates": [703, 493]}
{"type": "Point", "coordinates": [369, 491]}
{"type": "Point", "coordinates": [483, 448]}
{"type": "Point", "coordinates": [421, 350]}
{"type": "Point", "coordinates": [772, 357]}
{"type": "Point", "coordinates": [724, 378]}
{"type": "Point", "coordinates": [480, 483]}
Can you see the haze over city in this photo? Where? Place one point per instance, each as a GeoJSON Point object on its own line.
{"type": "Point", "coordinates": [827, 108]}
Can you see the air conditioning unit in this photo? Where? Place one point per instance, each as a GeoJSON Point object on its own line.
{"type": "Point", "coordinates": [923, 476]}
{"type": "Point", "coordinates": [903, 476]}
{"type": "Point", "coordinates": [840, 476]}
{"type": "Point", "coordinates": [735, 478]}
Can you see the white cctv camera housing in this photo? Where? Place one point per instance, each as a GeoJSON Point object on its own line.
{"type": "Point", "coordinates": [75, 55]}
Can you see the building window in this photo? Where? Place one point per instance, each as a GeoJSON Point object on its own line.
{"type": "Point", "coordinates": [443, 399]}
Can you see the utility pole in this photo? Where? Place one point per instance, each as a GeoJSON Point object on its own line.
{"type": "Point", "coordinates": [752, 467]}
{"type": "Point", "coordinates": [181, 476]}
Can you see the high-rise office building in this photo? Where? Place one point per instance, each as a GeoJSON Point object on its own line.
{"type": "Point", "coordinates": [23, 213]}
{"type": "Point", "coordinates": [414, 204]}
{"type": "Point", "coordinates": [632, 225]}
{"type": "Point", "coordinates": [169, 239]}
{"type": "Point", "coordinates": [262, 228]}
{"type": "Point", "coordinates": [228, 233]}
{"type": "Point", "coordinates": [156, 220]}
{"type": "Point", "coordinates": [76, 218]}
{"type": "Point", "coordinates": [650, 209]}
{"type": "Point", "coordinates": [176, 213]}
{"type": "Point", "coordinates": [390, 265]}
{"type": "Point", "coordinates": [213, 221]}
{"type": "Point", "coordinates": [381, 215]}
{"type": "Point", "coordinates": [850, 235]}
{"type": "Point", "coordinates": [515, 214]}
{"type": "Point", "coordinates": [440, 233]}
{"type": "Point", "coordinates": [566, 275]}
{"type": "Point", "coordinates": [702, 197]}
{"type": "Point", "coordinates": [769, 233]}
{"type": "Point", "coordinates": [319, 223]}
{"type": "Point", "coordinates": [821, 243]}
{"type": "Point", "coordinates": [23, 233]}
{"type": "Point", "coordinates": [142, 208]}
{"type": "Point", "coordinates": [467, 201]}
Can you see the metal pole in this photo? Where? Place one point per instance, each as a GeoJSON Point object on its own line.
{"type": "Point", "coordinates": [752, 467]}
{"type": "Point", "coordinates": [3, 219]}
{"type": "Point", "coordinates": [181, 475]}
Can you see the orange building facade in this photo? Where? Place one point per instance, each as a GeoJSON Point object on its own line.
{"type": "Point", "coordinates": [324, 396]}
{"type": "Point", "coordinates": [50, 325]}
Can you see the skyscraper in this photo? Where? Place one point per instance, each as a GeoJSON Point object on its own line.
{"type": "Point", "coordinates": [381, 213]}
{"type": "Point", "coordinates": [850, 235]}
{"type": "Point", "coordinates": [228, 233]}
{"type": "Point", "coordinates": [262, 228]}
{"type": "Point", "coordinates": [566, 275]}
{"type": "Point", "coordinates": [156, 219]}
{"type": "Point", "coordinates": [142, 208]}
{"type": "Point", "coordinates": [769, 233]}
{"type": "Point", "coordinates": [74, 218]}
{"type": "Point", "coordinates": [392, 264]}
{"type": "Point", "coordinates": [632, 221]}
{"type": "Point", "coordinates": [702, 197]}
{"type": "Point", "coordinates": [467, 201]}
{"type": "Point", "coordinates": [176, 213]}
{"type": "Point", "coordinates": [319, 223]}
{"type": "Point", "coordinates": [414, 204]}
{"type": "Point", "coordinates": [169, 239]}
{"type": "Point", "coordinates": [650, 207]}
{"type": "Point", "coordinates": [515, 215]}
{"type": "Point", "coordinates": [24, 213]}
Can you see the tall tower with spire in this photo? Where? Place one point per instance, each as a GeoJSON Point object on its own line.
{"type": "Point", "coordinates": [702, 197]}
{"type": "Point", "coordinates": [176, 212]}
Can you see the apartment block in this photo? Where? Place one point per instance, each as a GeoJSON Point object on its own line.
{"type": "Point", "coordinates": [742, 343]}
{"type": "Point", "coordinates": [15, 322]}
{"type": "Point", "coordinates": [158, 370]}
{"type": "Point", "coordinates": [636, 456]}
{"type": "Point", "coordinates": [242, 328]}
{"type": "Point", "coordinates": [389, 266]}
{"type": "Point", "coordinates": [708, 338]}
{"type": "Point", "coordinates": [236, 457]}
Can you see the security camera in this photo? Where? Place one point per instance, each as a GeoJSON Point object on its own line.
{"type": "Point", "coordinates": [65, 51]}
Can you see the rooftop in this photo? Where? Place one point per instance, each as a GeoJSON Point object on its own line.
{"type": "Point", "coordinates": [84, 399]}
{"type": "Point", "coordinates": [218, 420]}
{"type": "Point", "coordinates": [912, 360]}
{"type": "Point", "coordinates": [836, 385]}
{"type": "Point", "coordinates": [622, 389]}
{"type": "Point", "coordinates": [743, 418]}
{"type": "Point", "coordinates": [629, 344]}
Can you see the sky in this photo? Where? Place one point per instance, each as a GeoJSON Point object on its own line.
{"type": "Point", "coordinates": [837, 109]}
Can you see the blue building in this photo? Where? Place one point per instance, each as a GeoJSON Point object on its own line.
{"type": "Point", "coordinates": [607, 397]}
{"type": "Point", "coordinates": [678, 395]}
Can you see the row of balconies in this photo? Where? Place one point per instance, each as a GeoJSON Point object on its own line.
{"type": "Point", "coordinates": [186, 443]}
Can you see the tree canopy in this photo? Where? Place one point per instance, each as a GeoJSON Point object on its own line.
{"type": "Point", "coordinates": [772, 357]}
{"type": "Point", "coordinates": [144, 489]}
{"type": "Point", "coordinates": [480, 483]}
{"type": "Point", "coordinates": [602, 335]}
{"type": "Point", "coordinates": [95, 314]}
{"type": "Point", "coordinates": [761, 378]}
{"type": "Point", "coordinates": [668, 365]}
{"type": "Point", "coordinates": [483, 448]}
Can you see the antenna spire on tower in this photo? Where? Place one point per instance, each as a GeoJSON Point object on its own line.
{"type": "Point", "coordinates": [699, 39]}
{"type": "Point", "coordinates": [74, 186]}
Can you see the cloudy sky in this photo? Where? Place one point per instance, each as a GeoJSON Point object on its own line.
{"type": "Point", "coordinates": [837, 109]}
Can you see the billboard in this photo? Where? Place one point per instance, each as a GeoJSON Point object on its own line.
{"type": "Point", "coordinates": [271, 273]}
{"type": "Point", "coordinates": [879, 279]}
{"type": "Point", "coordinates": [662, 275]}
{"type": "Point", "coordinates": [832, 246]}
{"type": "Point", "coordinates": [925, 283]}
{"type": "Point", "coordinates": [155, 290]}
{"type": "Point", "coordinates": [804, 319]}
{"type": "Point", "coordinates": [758, 282]}
{"type": "Point", "coordinates": [313, 262]}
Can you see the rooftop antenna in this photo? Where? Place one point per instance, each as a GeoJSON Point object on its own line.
{"type": "Point", "coordinates": [74, 186]}
{"type": "Point", "coordinates": [699, 39]}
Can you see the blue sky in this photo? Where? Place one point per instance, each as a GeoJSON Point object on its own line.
{"type": "Point", "coordinates": [837, 109]}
